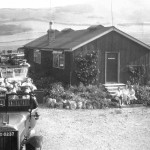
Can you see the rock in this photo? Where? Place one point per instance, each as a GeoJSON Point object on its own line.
{"type": "Point", "coordinates": [59, 105]}
{"type": "Point", "coordinates": [95, 105]}
{"type": "Point", "coordinates": [84, 105]}
{"type": "Point", "coordinates": [50, 102]}
{"type": "Point", "coordinates": [66, 104]}
{"type": "Point", "coordinates": [73, 105]}
{"type": "Point", "coordinates": [89, 105]}
{"type": "Point", "coordinates": [79, 105]}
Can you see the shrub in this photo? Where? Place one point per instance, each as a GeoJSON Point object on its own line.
{"type": "Point", "coordinates": [137, 73]}
{"type": "Point", "coordinates": [56, 90]}
{"type": "Point", "coordinates": [86, 68]}
{"type": "Point", "coordinates": [42, 80]}
{"type": "Point", "coordinates": [142, 93]}
{"type": "Point", "coordinates": [76, 89]}
{"type": "Point", "coordinates": [90, 96]}
{"type": "Point", "coordinates": [67, 95]}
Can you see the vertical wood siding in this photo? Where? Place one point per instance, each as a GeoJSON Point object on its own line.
{"type": "Point", "coordinates": [46, 65]}
{"type": "Point", "coordinates": [131, 53]}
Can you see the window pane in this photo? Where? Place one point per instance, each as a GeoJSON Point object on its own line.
{"type": "Point", "coordinates": [61, 60]}
{"type": "Point", "coordinates": [35, 53]}
{"type": "Point", "coordinates": [20, 72]}
{"type": "Point", "coordinates": [37, 56]}
{"type": "Point", "coordinates": [7, 73]}
{"type": "Point", "coordinates": [56, 60]}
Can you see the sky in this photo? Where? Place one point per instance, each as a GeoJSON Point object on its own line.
{"type": "Point", "coordinates": [130, 4]}
{"type": "Point", "coordinates": [134, 9]}
{"type": "Point", "coordinates": [39, 3]}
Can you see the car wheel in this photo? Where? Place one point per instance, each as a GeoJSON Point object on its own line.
{"type": "Point", "coordinates": [30, 147]}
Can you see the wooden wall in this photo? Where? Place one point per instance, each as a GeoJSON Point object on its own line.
{"type": "Point", "coordinates": [47, 62]}
{"type": "Point", "coordinates": [131, 53]}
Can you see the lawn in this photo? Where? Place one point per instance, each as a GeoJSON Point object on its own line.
{"type": "Point", "coordinates": [103, 129]}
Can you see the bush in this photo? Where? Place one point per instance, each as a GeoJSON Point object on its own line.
{"type": "Point", "coordinates": [86, 68]}
{"type": "Point", "coordinates": [142, 93]}
{"type": "Point", "coordinates": [137, 74]}
{"type": "Point", "coordinates": [42, 80]}
{"type": "Point", "coordinates": [91, 96]}
{"type": "Point", "coordinates": [77, 89]}
{"type": "Point", "coordinates": [56, 90]}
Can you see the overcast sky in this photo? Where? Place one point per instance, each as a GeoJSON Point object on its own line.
{"type": "Point", "coordinates": [138, 8]}
{"type": "Point", "coordinates": [123, 12]}
{"type": "Point", "coordinates": [39, 3]}
{"type": "Point", "coordinates": [130, 4]}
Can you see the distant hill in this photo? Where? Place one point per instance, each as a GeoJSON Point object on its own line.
{"type": "Point", "coordinates": [12, 29]}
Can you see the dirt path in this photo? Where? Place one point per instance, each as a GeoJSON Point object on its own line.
{"type": "Point", "coordinates": [109, 129]}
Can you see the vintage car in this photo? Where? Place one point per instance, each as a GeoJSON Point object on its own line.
{"type": "Point", "coordinates": [18, 114]}
{"type": "Point", "coordinates": [13, 73]}
{"type": "Point", "coordinates": [5, 58]}
{"type": "Point", "coordinates": [17, 121]}
{"type": "Point", "coordinates": [17, 59]}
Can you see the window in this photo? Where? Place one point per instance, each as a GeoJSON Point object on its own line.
{"type": "Point", "coordinates": [14, 72]}
{"type": "Point", "coordinates": [58, 60]}
{"type": "Point", "coordinates": [37, 56]}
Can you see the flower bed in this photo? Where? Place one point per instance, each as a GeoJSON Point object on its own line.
{"type": "Point", "coordinates": [78, 97]}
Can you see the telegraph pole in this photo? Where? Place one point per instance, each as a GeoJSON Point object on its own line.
{"type": "Point", "coordinates": [112, 19]}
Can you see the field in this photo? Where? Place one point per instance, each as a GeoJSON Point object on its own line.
{"type": "Point", "coordinates": [107, 129]}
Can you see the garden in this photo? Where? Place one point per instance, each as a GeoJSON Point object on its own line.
{"type": "Point", "coordinates": [87, 94]}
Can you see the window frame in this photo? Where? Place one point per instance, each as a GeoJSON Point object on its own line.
{"type": "Point", "coordinates": [37, 56]}
{"type": "Point", "coordinates": [58, 55]}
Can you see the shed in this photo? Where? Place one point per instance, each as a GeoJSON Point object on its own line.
{"type": "Point", "coordinates": [55, 52]}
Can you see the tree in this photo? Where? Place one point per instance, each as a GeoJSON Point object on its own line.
{"type": "Point", "coordinates": [86, 68]}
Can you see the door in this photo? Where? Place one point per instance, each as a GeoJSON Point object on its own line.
{"type": "Point", "coordinates": [112, 67]}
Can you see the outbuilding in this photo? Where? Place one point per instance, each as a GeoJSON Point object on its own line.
{"type": "Point", "coordinates": [55, 52]}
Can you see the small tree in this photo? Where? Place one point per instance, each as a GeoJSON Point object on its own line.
{"type": "Point", "coordinates": [86, 68]}
{"type": "Point", "coordinates": [137, 74]}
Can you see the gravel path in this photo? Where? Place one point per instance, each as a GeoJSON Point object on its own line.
{"type": "Point", "coordinates": [108, 129]}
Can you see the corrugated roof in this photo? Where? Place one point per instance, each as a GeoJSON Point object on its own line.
{"type": "Point", "coordinates": [73, 39]}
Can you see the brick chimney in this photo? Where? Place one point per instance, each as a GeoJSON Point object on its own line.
{"type": "Point", "coordinates": [51, 33]}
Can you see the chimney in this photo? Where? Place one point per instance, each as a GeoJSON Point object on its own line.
{"type": "Point", "coordinates": [51, 34]}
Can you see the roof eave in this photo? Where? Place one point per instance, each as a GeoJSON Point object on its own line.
{"type": "Point", "coordinates": [50, 49]}
{"type": "Point", "coordinates": [92, 39]}
{"type": "Point", "coordinates": [108, 31]}
{"type": "Point", "coordinates": [132, 38]}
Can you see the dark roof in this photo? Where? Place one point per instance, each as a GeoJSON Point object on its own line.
{"type": "Point", "coordinates": [69, 39]}
{"type": "Point", "coordinates": [66, 39]}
